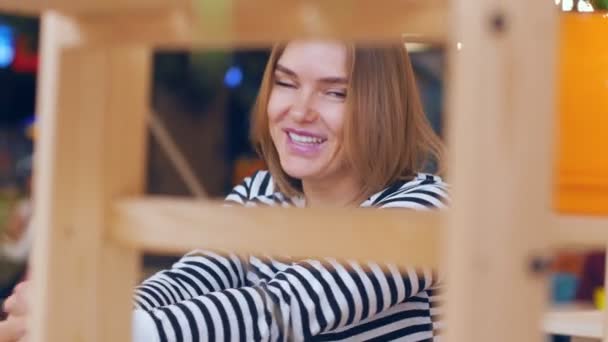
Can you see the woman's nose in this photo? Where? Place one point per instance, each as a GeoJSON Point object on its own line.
{"type": "Point", "coordinates": [302, 109]}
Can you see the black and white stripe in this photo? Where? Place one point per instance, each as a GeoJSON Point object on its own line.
{"type": "Point", "coordinates": [211, 297]}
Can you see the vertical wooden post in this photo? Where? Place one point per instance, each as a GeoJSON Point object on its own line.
{"type": "Point", "coordinates": [92, 104]}
{"type": "Point", "coordinates": [501, 133]}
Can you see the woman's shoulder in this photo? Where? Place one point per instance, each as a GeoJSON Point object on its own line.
{"type": "Point", "coordinates": [258, 185]}
{"type": "Point", "coordinates": [424, 191]}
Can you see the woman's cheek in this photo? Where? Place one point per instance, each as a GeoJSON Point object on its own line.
{"type": "Point", "coordinates": [276, 106]}
{"type": "Point", "coordinates": [334, 118]}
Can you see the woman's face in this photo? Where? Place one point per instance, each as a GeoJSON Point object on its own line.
{"type": "Point", "coordinates": [306, 109]}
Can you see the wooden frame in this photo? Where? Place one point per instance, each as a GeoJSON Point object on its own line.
{"type": "Point", "coordinates": [501, 104]}
{"type": "Point", "coordinates": [86, 132]}
{"type": "Point", "coordinates": [148, 224]}
{"type": "Point", "coordinates": [92, 223]}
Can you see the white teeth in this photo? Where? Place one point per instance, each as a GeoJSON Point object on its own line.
{"type": "Point", "coordinates": [303, 139]}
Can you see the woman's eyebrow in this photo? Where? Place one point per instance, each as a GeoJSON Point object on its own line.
{"type": "Point", "coordinates": [330, 80]}
{"type": "Point", "coordinates": [285, 70]}
{"type": "Point", "coordinates": [334, 80]}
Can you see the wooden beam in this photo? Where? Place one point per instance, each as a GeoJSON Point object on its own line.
{"type": "Point", "coordinates": [579, 231]}
{"type": "Point", "coordinates": [564, 231]}
{"type": "Point", "coordinates": [92, 105]}
{"type": "Point", "coordinates": [22, 7]}
{"type": "Point", "coordinates": [500, 128]}
{"type": "Point", "coordinates": [37, 7]}
{"type": "Point", "coordinates": [261, 22]}
{"type": "Point", "coordinates": [176, 226]}
{"type": "Point", "coordinates": [575, 322]}
{"type": "Point", "coordinates": [243, 23]}
{"type": "Point", "coordinates": [162, 135]}
{"type": "Point", "coordinates": [172, 28]}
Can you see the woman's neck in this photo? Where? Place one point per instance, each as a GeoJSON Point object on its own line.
{"type": "Point", "coordinates": [340, 192]}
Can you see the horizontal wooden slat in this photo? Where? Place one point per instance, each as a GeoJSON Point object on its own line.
{"type": "Point", "coordinates": [178, 225]}
{"type": "Point", "coordinates": [254, 22]}
{"type": "Point", "coordinates": [165, 29]}
{"type": "Point", "coordinates": [244, 23]}
{"type": "Point", "coordinates": [21, 7]}
{"type": "Point", "coordinates": [181, 24]}
{"type": "Point", "coordinates": [578, 323]}
{"type": "Point", "coordinates": [175, 226]}
{"type": "Point", "coordinates": [36, 7]}
{"type": "Point", "coordinates": [583, 231]}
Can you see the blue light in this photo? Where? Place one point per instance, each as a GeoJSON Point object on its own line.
{"type": "Point", "coordinates": [30, 120]}
{"type": "Point", "coordinates": [7, 47]}
{"type": "Point", "coordinates": [234, 77]}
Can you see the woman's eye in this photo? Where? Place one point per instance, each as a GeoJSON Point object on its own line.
{"type": "Point", "coordinates": [284, 84]}
{"type": "Point", "coordinates": [337, 94]}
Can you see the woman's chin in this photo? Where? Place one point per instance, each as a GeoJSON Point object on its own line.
{"type": "Point", "coordinates": [300, 170]}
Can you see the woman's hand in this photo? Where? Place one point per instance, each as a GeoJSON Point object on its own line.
{"type": "Point", "coordinates": [14, 328]}
{"type": "Point", "coordinates": [17, 303]}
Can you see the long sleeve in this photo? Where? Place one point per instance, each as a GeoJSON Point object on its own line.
{"type": "Point", "coordinates": [195, 274]}
{"type": "Point", "coordinates": [306, 299]}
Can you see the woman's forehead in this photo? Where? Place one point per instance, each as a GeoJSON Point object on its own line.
{"type": "Point", "coordinates": [315, 58]}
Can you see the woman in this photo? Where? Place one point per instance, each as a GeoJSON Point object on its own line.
{"type": "Point", "coordinates": [338, 125]}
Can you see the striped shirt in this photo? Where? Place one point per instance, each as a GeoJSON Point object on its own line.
{"type": "Point", "coordinates": [206, 296]}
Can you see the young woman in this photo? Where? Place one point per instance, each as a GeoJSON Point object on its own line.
{"type": "Point", "coordinates": [338, 125]}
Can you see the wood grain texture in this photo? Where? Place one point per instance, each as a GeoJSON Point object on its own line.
{"type": "Point", "coordinates": [92, 106]}
{"type": "Point", "coordinates": [501, 109]}
{"type": "Point", "coordinates": [172, 225]}
{"type": "Point", "coordinates": [247, 24]}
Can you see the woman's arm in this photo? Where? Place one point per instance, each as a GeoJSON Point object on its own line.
{"type": "Point", "coordinates": [304, 300]}
{"type": "Point", "coordinates": [195, 274]}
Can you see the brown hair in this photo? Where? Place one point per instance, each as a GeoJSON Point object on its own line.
{"type": "Point", "coordinates": [387, 136]}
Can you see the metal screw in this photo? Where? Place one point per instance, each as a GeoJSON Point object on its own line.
{"type": "Point", "coordinates": [498, 22]}
{"type": "Point", "coordinates": [540, 264]}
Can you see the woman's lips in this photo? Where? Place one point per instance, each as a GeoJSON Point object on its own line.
{"type": "Point", "coordinates": [304, 143]}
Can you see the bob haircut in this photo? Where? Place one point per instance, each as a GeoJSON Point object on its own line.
{"type": "Point", "coordinates": [386, 135]}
